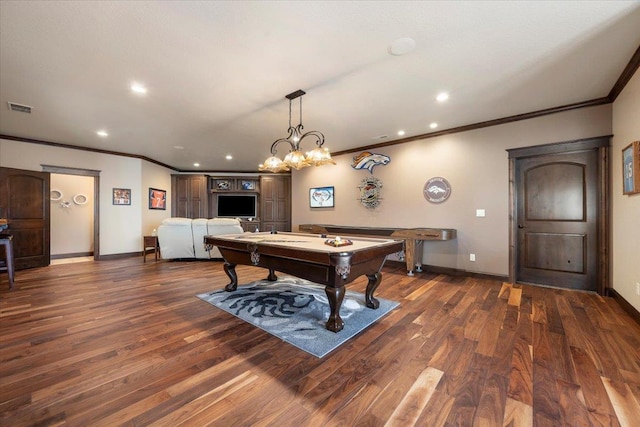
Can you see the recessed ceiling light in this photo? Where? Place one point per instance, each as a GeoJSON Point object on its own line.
{"type": "Point", "coordinates": [138, 88]}
{"type": "Point", "coordinates": [229, 157]}
{"type": "Point", "coordinates": [442, 96]}
{"type": "Point", "coordinates": [178, 147]}
{"type": "Point", "coordinates": [102, 133]}
{"type": "Point", "coordinates": [401, 46]}
{"type": "Point", "coordinates": [400, 132]}
{"type": "Point", "coordinates": [433, 125]}
{"type": "Point", "coordinates": [196, 164]}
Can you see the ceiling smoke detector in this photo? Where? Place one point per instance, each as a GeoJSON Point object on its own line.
{"type": "Point", "coordinates": [19, 108]}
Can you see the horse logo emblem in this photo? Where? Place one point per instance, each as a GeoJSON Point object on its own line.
{"type": "Point", "coordinates": [368, 161]}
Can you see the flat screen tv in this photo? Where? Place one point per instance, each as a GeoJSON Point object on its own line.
{"type": "Point", "coordinates": [237, 205]}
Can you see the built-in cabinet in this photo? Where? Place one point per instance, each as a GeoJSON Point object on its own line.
{"type": "Point", "coordinates": [189, 196]}
{"type": "Point", "coordinates": [196, 196]}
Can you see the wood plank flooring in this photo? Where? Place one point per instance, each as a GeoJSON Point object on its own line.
{"type": "Point", "coordinates": [126, 343]}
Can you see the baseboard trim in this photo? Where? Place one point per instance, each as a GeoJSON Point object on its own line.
{"type": "Point", "coordinates": [631, 310]}
{"type": "Point", "coordinates": [119, 256]}
{"type": "Point", "coordinates": [73, 255]}
{"type": "Point", "coordinates": [450, 271]}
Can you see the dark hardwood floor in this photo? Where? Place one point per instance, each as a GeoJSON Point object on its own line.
{"type": "Point", "coordinates": [126, 343]}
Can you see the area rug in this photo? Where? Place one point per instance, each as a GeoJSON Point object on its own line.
{"type": "Point", "coordinates": [296, 310]}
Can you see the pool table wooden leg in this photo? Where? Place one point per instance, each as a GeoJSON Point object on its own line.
{"type": "Point", "coordinates": [335, 296]}
{"type": "Point", "coordinates": [272, 275]}
{"type": "Point", "coordinates": [230, 269]}
{"type": "Point", "coordinates": [374, 281]}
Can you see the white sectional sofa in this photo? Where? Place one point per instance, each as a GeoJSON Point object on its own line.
{"type": "Point", "coordinates": [184, 237]}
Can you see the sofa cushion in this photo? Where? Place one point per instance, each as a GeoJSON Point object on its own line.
{"type": "Point", "coordinates": [177, 221]}
{"type": "Point", "coordinates": [223, 221]}
{"type": "Point", "coordinates": [176, 239]}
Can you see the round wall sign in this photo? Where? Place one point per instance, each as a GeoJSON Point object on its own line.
{"type": "Point", "coordinates": [437, 190]}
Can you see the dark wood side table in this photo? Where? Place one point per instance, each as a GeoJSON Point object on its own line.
{"type": "Point", "coordinates": [150, 242]}
{"type": "Point", "coordinates": [7, 265]}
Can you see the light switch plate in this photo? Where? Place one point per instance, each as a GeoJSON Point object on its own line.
{"type": "Point", "coordinates": [480, 212]}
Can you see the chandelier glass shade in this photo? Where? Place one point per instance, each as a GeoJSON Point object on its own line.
{"type": "Point", "coordinates": [296, 159]}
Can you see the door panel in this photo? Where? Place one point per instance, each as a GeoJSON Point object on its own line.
{"type": "Point", "coordinates": [557, 192]}
{"type": "Point", "coordinates": [24, 198]}
{"type": "Point", "coordinates": [556, 252]}
{"type": "Point", "coordinates": [557, 219]}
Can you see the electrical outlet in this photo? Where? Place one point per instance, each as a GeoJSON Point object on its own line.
{"type": "Point", "coordinates": [638, 288]}
{"type": "Point", "coordinates": [472, 257]}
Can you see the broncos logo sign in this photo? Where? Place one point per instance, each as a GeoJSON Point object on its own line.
{"type": "Point", "coordinates": [368, 161]}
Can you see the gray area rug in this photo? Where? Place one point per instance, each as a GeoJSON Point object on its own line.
{"type": "Point", "coordinates": [296, 310]}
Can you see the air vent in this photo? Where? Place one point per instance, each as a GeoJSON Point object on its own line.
{"type": "Point", "coordinates": [381, 137]}
{"type": "Point", "coordinates": [19, 108]}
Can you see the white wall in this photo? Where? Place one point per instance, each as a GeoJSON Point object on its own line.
{"type": "Point", "coordinates": [71, 222]}
{"type": "Point", "coordinates": [625, 253]}
{"type": "Point", "coordinates": [476, 165]}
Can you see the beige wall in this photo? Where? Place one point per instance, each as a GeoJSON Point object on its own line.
{"type": "Point", "coordinates": [625, 253]}
{"type": "Point", "coordinates": [120, 226]}
{"type": "Point", "coordinates": [476, 165]}
{"type": "Point", "coordinates": [72, 221]}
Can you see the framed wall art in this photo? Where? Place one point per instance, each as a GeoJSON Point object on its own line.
{"type": "Point", "coordinates": [631, 168]}
{"type": "Point", "coordinates": [248, 185]}
{"type": "Point", "coordinates": [157, 199]}
{"type": "Point", "coordinates": [224, 184]}
{"type": "Point", "coordinates": [121, 196]}
{"type": "Point", "coordinates": [321, 197]}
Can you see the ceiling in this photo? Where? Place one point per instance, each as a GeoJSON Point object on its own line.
{"type": "Point", "coordinates": [217, 72]}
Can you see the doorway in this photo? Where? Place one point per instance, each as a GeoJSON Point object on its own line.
{"type": "Point", "coordinates": [559, 212]}
{"type": "Point", "coordinates": [77, 202]}
{"type": "Point", "coordinates": [71, 217]}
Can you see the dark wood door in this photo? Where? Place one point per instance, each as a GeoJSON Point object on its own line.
{"type": "Point", "coordinates": [24, 199]}
{"type": "Point", "coordinates": [275, 203]}
{"type": "Point", "coordinates": [557, 219]}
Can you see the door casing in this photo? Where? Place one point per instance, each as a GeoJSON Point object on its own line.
{"type": "Point", "coordinates": [601, 144]}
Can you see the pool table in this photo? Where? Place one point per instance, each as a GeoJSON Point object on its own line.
{"type": "Point", "coordinates": [309, 257]}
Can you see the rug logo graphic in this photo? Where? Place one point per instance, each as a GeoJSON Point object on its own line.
{"type": "Point", "coordinates": [437, 190]}
{"type": "Point", "coordinates": [368, 161]}
{"type": "Point", "coordinates": [296, 310]}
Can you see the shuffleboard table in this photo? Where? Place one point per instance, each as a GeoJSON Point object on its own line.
{"type": "Point", "coordinates": [414, 238]}
{"type": "Point", "coordinates": [308, 256]}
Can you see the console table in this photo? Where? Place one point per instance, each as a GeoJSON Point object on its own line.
{"type": "Point", "coordinates": [413, 238]}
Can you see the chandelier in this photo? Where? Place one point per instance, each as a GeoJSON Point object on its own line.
{"type": "Point", "coordinates": [295, 158]}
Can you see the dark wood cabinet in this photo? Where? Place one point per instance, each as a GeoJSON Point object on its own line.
{"type": "Point", "coordinates": [275, 202]}
{"type": "Point", "coordinates": [196, 196]}
{"type": "Point", "coordinates": [189, 196]}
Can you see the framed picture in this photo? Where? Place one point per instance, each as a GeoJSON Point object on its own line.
{"type": "Point", "coordinates": [248, 185]}
{"type": "Point", "coordinates": [631, 168]}
{"type": "Point", "coordinates": [157, 199]}
{"type": "Point", "coordinates": [321, 197]}
{"type": "Point", "coordinates": [223, 184]}
{"type": "Point", "coordinates": [121, 196]}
